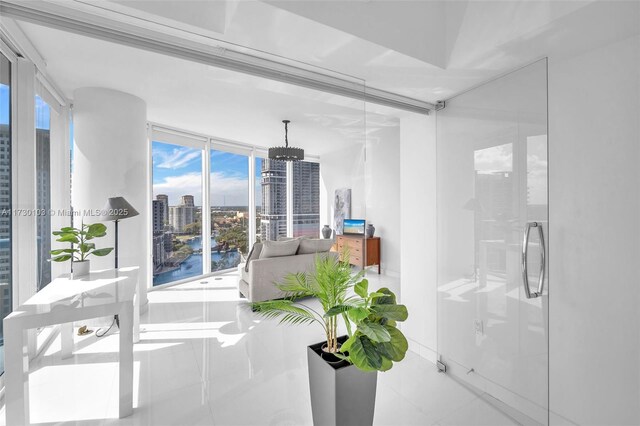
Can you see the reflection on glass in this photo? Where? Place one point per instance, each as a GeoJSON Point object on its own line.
{"type": "Point", "coordinates": [306, 199]}
{"type": "Point", "coordinates": [177, 212]}
{"type": "Point", "coordinates": [273, 219]}
{"type": "Point", "coordinates": [492, 173]}
{"type": "Point", "coordinates": [229, 209]}
{"type": "Point", "coordinates": [5, 197]}
{"type": "Point", "coordinates": [493, 208]}
{"type": "Point", "coordinates": [43, 190]}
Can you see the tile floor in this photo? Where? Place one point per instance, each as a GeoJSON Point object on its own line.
{"type": "Point", "coordinates": [205, 359]}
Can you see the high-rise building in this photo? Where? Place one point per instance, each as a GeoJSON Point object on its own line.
{"type": "Point", "coordinates": [43, 200]}
{"type": "Point", "coordinates": [158, 216]}
{"type": "Point", "coordinates": [306, 199]}
{"type": "Point", "coordinates": [164, 199]}
{"type": "Point", "coordinates": [5, 221]}
{"type": "Point", "coordinates": [187, 200]}
{"type": "Point", "coordinates": [159, 250]}
{"type": "Point", "coordinates": [274, 200]}
{"type": "Point", "coordinates": [182, 215]}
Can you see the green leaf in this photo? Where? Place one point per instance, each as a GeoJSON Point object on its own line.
{"type": "Point", "coordinates": [362, 288]}
{"type": "Point", "coordinates": [102, 251]}
{"type": "Point", "coordinates": [364, 355]}
{"type": "Point", "coordinates": [60, 251]}
{"type": "Point", "coordinates": [62, 258]}
{"type": "Point", "coordinates": [68, 238]}
{"type": "Point", "coordinates": [96, 230]}
{"type": "Point", "coordinates": [397, 347]}
{"type": "Point", "coordinates": [386, 364]}
{"type": "Point", "coordinates": [358, 314]}
{"type": "Point", "coordinates": [392, 312]}
{"type": "Point", "coordinates": [84, 248]}
{"type": "Point", "coordinates": [347, 344]}
{"type": "Point", "coordinates": [388, 299]}
{"type": "Point", "coordinates": [374, 331]}
{"type": "Point", "coordinates": [338, 309]}
{"type": "Point", "coordinates": [284, 309]}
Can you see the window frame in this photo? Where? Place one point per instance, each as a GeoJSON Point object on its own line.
{"type": "Point", "coordinates": [182, 137]}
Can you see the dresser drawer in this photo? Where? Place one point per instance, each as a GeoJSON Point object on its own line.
{"type": "Point", "coordinates": [356, 260]}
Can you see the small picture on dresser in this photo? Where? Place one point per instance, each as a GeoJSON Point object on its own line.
{"type": "Point", "coordinates": [341, 209]}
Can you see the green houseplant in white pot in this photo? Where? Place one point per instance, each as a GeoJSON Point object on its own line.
{"type": "Point", "coordinates": [342, 370]}
{"type": "Point", "coordinates": [81, 247]}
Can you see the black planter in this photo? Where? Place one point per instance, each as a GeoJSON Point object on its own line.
{"type": "Point", "coordinates": [341, 395]}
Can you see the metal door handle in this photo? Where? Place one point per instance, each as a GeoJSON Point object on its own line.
{"type": "Point", "coordinates": [525, 248]}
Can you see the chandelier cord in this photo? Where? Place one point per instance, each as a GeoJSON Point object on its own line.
{"type": "Point", "coordinates": [286, 131]}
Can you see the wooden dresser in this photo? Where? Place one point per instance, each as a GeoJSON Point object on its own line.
{"type": "Point", "coordinates": [362, 251]}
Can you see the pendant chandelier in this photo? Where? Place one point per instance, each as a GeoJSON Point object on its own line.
{"type": "Point", "coordinates": [286, 152]}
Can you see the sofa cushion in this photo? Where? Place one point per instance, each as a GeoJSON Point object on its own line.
{"type": "Point", "coordinates": [314, 245]}
{"type": "Point", "coordinates": [279, 248]}
{"type": "Point", "coordinates": [253, 254]}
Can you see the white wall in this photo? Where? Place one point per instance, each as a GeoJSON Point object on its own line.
{"type": "Point", "coordinates": [342, 169]}
{"type": "Point", "coordinates": [418, 231]}
{"type": "Point", "coordinates": [375, 188]}
{"type": "Point", "coordinates": [594, 244]}
{"type": "Point", "coordinates": [383, 194]}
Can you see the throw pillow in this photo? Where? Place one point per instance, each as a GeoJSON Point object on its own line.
{"type": "Point", "coordinates": [279, 248]}
{"type": "Point", "coordinates": [314, 245]}
{"type": "Point", "coordinates": [253, 254]}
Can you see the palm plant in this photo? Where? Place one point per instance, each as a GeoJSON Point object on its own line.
{"type": "Point", "coordinates": [374, 344]}
{"type": "Point", "coordinates": [329, 283]}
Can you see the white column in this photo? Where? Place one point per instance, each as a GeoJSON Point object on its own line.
{"type": "Point", "coordinates": [110, 159]}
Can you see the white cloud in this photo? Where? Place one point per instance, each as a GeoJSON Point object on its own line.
{"type": "Point", "coordinates": [225, 189]}
{"type": "Point", "coordinates": [177, 186]}
{"type": "Point", "coordinates": [179, 157]}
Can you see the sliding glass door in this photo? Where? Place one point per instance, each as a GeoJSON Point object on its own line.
{"type": "Point", "coordinates": [492, 239]}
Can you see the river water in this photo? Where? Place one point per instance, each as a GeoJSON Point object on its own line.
{"type": "Point", "coordinates": [192, 266]}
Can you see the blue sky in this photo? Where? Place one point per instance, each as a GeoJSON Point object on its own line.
{"type": "Point", "coordinates": [43, 111]}
{"type": "Point", "coordinates": [177, 171]}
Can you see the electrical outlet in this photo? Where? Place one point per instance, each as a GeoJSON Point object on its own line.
{"type": "Point", "coordinates": [478, 326]}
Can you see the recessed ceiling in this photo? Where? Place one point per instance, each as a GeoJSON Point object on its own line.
{"type": "Point", "coordinates": [202, 98]}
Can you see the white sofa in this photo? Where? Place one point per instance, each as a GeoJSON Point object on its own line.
{"type": "Point", "coordinates": [260, 274]}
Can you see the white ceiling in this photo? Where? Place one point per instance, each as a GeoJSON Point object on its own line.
{"type": "Point", "coordinates": [427, 50]}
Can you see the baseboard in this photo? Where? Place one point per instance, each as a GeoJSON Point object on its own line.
{"type": "Point", "coordinates": [390, 273]}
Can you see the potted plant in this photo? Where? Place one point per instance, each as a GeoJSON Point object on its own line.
{"type": "Point", "coordinates": [81, 248]}
{"type": "Point", "coordinates": [342, 370]}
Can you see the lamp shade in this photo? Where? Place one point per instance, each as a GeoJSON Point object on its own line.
{"type": "Point", "coordinates": [117, 208]}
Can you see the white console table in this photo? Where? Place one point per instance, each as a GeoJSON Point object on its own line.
{"type": "Point", "coordinates": [63, 301]}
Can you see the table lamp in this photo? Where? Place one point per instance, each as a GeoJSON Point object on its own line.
{"type": "Point", "coordinates": [116, 209]}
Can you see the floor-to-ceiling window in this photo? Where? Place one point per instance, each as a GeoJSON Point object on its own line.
{"type": "Point", "coordinates": [43, 189]}
{"type": "Point", "coordinates": [5, 197]}
{"type": "Point", "coordinates": [229, 209]}
{"type": "Point", "coordinates": [177, 212]}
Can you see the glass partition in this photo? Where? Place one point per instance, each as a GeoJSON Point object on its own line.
{"type": "Point", "coordinates": [492, 189]}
